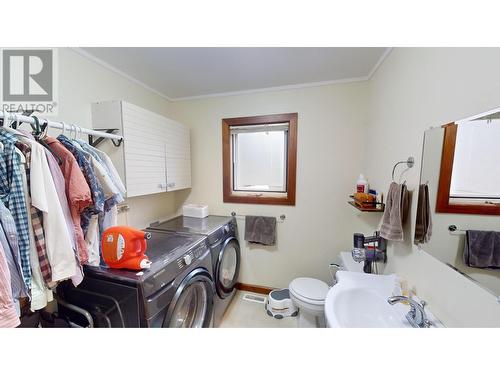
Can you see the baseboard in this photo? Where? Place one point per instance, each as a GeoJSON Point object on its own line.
{"type": "Point", "coordinates": [254, 288]}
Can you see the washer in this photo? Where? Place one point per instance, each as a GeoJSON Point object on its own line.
{"type": "Point", "coordinates": [222, 235]}
{"type": "Point", "coordinates": [177, 291]}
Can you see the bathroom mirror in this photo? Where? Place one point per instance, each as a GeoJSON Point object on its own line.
{"type": "Point", "coordinates": [460, 191]}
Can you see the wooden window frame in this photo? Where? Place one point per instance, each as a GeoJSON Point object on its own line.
{"type": "Point", "coordinates": [291, 170]}
{"type": "Point", "coordinates": [443, 195]}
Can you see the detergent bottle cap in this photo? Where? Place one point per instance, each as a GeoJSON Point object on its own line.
{"type": "Point", "coordinates": [145, 263]}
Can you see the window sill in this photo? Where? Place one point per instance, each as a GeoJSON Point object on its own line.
{"type": "Point", "coordinates": [260, 198]}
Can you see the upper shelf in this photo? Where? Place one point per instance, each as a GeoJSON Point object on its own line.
{"type": "Point", "coordinates": [379, 207]}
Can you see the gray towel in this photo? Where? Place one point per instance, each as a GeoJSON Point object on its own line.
{"type": "Point", "coordinates": [260, 229]}
{"type": "Point", "coordinates": [396, 209]}
{"type": "Point", "coordinates": [423, 224]}
{"type": "Point", "coordinates": [482, 249]}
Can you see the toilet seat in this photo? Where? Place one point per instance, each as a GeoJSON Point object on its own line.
{"type": "Point", "coordinates": [312, 291]}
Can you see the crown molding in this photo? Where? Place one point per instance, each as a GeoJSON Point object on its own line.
{"type": "Point", "coordinates": [273, 88]}
{"type": "Point", "coordinates": [379, 62]}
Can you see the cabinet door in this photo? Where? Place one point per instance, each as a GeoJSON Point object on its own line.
{"type": "Point", "coordinates": [144, 150]}
{"type": "Point", "coordinates": [178, 156]}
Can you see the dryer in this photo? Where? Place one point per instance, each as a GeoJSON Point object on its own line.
{"type": "Point", "coordinates": [222, 236]}
{"type": "Point", "coordinates": [177, 291]}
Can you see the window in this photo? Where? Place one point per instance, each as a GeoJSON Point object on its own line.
{"type": "Point", "coordinates": [468, 182]}
{"type": "Point", "coordinates": [259, 159]}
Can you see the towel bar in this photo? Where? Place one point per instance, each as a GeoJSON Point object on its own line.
{"type": "Point", "coordinates": [453, 229]}
{"type": "Point", "coordinates": [280, 220]}
{"type": "Point", "coordinates": [410, 162]}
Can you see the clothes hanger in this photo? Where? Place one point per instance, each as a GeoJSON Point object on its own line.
{"type": "Point", "coordinates": [63, 127]}
{"type": "Point", "coordinates": [39, 132]}
{"type": "Point", "coordinates": [12, 128]}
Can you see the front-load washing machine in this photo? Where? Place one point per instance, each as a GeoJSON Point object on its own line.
{"type": "Point", "coordinates": [176, 291]}
{"type": "Point", "coordinates": [222, 235]}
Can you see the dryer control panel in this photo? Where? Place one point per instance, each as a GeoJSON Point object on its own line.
{"type": "Point", "coordinates": [191, 256]}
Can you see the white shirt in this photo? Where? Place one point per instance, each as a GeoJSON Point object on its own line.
{"type": "Point", "coordinates": [44, 197]}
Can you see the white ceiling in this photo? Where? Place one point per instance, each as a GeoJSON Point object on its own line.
{"type": "Point", "coordinates": [180, 73]}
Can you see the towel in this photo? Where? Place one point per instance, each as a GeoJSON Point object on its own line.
{"type": "Point", "coordinates": [260, 229]}
{"type": "Point", "coordinates": [423, 224]}
{"type": "Point", "coordinates": [396, 209]}
{"type": "Point", "coordinates": [482, 249]}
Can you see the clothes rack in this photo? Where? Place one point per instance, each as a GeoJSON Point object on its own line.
{"type": "Point", "coordinates": [16, 117]}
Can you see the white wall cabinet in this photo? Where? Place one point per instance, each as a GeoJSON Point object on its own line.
{"type": "Point", "coordinates": [155, 155]}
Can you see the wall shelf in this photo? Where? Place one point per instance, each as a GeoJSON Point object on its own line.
{"type": "Point", "coordinates": [379, 207]}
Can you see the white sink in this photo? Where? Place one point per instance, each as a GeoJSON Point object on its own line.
{"type": "Point", "coordinates": [360, 300]}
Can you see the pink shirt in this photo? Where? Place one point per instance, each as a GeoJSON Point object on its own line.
{"type": "Point", "coordinates": [8, 314]}
{"type": "Point", "coordinates": [77, 192]}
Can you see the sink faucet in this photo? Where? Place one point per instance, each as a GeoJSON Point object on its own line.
{"type": "Point", "coordinates": [416, 316]}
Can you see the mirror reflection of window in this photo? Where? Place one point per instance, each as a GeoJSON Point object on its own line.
{"type": "Point", "coordinates": [476, 162]}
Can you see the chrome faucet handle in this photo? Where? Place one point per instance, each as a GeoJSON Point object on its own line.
{"type": "Point", "coordinates": [426, 322]}
{"type": "Point", "coordinates": [336, 267]}
{"type": "Point", "coordinates": [416, 316]}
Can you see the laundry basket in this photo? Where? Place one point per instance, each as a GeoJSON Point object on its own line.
{"type": "Point", "coordinates": [279, 304]}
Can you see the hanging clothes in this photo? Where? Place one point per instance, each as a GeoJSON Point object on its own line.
{"type": "Point", "coordinates": [8, 313]}
{"type": "Point", "coordinates": [8, 239]}
{"type": "Point", "coordinates": [44, 197]}
{"type": "Point", "coordinates": [90, 216]}
{"type": "Point", "coordinates": [11, 193]}
{"type": "Point", "coordinates": [78, 192]}
{"type": "Point", "coordinates": [41, 295]}
{"type": "Point", "coordinates": [95, 187]}
{"type": "Point", "coordinates": [55, 198]}
{"type": "Point", "coordinates": [59, 184]}
{"type": "Point", "coordinates": [36, 217]}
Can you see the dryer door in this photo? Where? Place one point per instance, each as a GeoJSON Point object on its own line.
{"type": "Point", "coordinates": [228, 267]}
{"type": "Point", "coordinates": [192, 305]}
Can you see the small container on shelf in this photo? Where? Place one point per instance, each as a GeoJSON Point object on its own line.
{"type": "Point", "coordinates": [366, 202]}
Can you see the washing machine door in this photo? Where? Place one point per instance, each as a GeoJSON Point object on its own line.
{"type": "Point", "coordinates": [228, 267]}
{"type": "Point", "coordinates": [192, 305]}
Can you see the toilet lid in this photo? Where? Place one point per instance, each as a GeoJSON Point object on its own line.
{"type": "Point", "coordinates": [313, 289]}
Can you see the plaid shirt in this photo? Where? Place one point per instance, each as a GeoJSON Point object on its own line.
{"type": "Point", "coordinates": [98, 197]}
{"type": "Point", "coordinates": [12, 195]}
{"type": "Point", "coordinates": [37, 223]}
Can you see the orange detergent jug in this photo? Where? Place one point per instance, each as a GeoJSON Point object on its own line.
{"type": "Point", "coordinates": [125, 247]}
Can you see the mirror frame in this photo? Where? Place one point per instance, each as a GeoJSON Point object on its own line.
{"type": "Point", "coordinates": [443, 195]}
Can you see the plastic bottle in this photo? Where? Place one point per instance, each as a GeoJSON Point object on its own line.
{"type": "Point", "coordinates": [362, 184]}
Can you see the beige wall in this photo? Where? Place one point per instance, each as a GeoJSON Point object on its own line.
{"type": "Point", "coordinates": [416, 88]}
{"type": "Point", "coordinates": [330, 129]}
{"type": "Point", "coordinates": [82, 82]}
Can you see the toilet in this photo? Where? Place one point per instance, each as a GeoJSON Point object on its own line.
{"type": "Point", "coordinates": [309, 296]}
